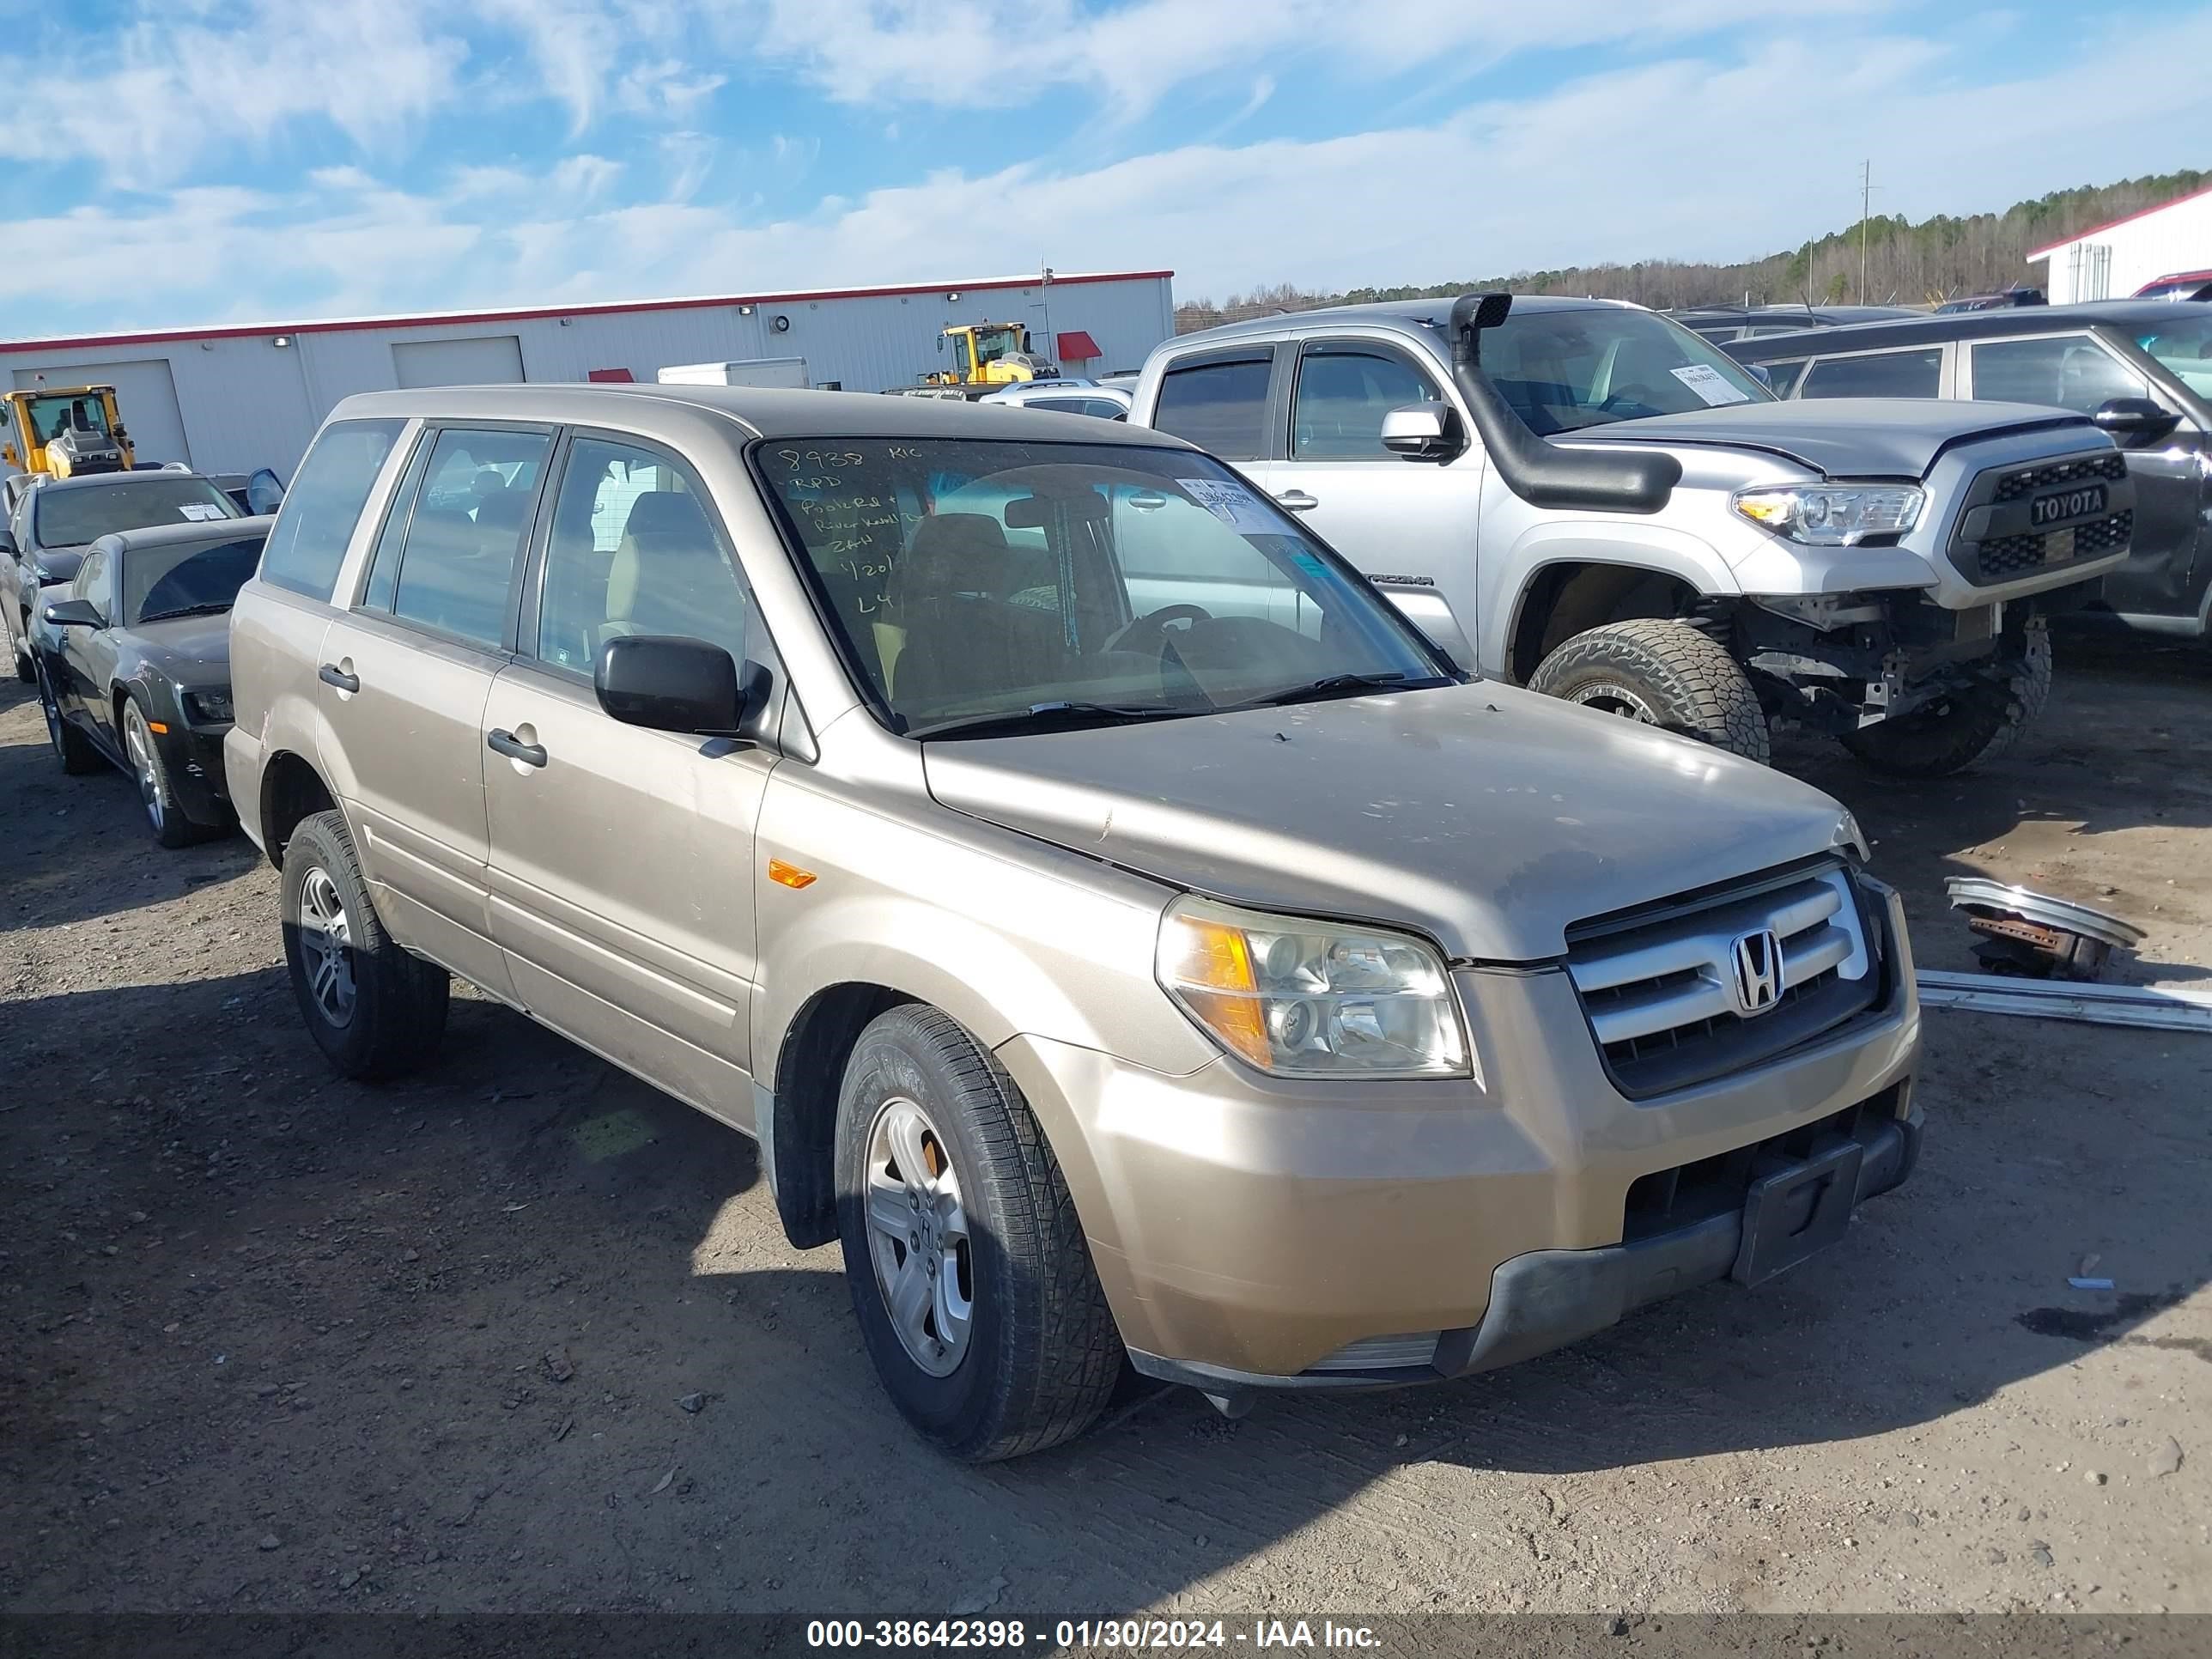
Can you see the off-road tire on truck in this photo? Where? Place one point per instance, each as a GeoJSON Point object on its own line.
{"type": "Point", "coordinates": [1040, 1354]}
{"type": "Point", "coordinates": [1661, 673]}
{"type": "Point", "coordinates": [394, 1012]}
{"type": "Point", "coordinates": [1969, 726]}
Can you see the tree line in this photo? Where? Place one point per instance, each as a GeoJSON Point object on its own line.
{"type": "Point", "coordinates": [1905, 263]}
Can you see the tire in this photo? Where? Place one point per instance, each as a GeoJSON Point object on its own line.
{"type": "Point", "coordinates": [391, 1013]}
{"type": "Point", "coordinates": [1039, 1356]}
{"type": "Point", "coordinates": [1969, 728]}
{"type": "Point", "coordinates": [171, 828]}
{"type": "Point", "coordinates": [1661, 673]}
{"type": "Point", "coordinates": [27, 667]}
{"type": "Point", "coordinates": [71, 747]}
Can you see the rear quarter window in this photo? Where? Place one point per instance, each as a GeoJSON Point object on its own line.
{"type": "Point", "coordinates": [307, 543]}
{"type": "Point", "coordinates": [1915, 373]}
{"type": "Point", "coordinates": [1220, 406]}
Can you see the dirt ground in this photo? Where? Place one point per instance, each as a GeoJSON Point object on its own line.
{"type": "Point", "coordinates": [523, 1334]}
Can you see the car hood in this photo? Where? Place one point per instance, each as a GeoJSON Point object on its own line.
{"type": "Point", "coordinates": [60, 563]}
{"type": "Point", "coordinates": [1841, 437]}
{"type": "Point", "coordinates": [195, 648]}
{"type": "Point", "coordinates": [1490, 818]}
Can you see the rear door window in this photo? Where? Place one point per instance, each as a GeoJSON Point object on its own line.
{"type": "Point", "coordinates": [1219, 404]}
{"type": "Point", "coordinates": [315, 523]}
{"type": "Point", "coordinates": [1918, 373]}
{"type": "Point", "coordinates": [2071, 371]}
{"type": "Point", "coordinates": [457, 563]}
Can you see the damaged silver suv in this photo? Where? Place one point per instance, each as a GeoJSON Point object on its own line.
{"type": "Point", "coordinates": [1122, 931]}
{"type": "Point", "coordinates": [1583, 497]}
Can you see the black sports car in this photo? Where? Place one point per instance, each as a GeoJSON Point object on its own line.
{"type": "Point", "coordinates": [133, 664]}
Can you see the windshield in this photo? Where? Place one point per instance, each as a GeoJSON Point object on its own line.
{"type": "Point", "coordinates": [2183, 349]}
{"type": "Point", "coordinates": [50, 416]}
{"type": "Point", "coordinates": [992, 344]}
{"type": "Point", "coordinates": [69, 518]}
{"type": "Point", "coordinates": [188, 581]}
{"type": "Point", "coordinates": [1564, 370]}
{"type": "Point", "coordinates": [974, 580]}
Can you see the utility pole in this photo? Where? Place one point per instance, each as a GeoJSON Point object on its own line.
{"type": "Point", "coordinates": [1866, 199]}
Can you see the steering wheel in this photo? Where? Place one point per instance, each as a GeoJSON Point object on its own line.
{"type": "Point", "coordinates": [1635, 392]}
{"type": "Point", "coordinates": [1153, 624]}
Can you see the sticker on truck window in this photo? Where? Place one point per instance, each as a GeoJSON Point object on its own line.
{"type": "Point", "coordinates": [1708, 383]}
{"type": "Point", "coordinates": [200, 511]}
{"type": "Point", "coordinates": [1231, 503]}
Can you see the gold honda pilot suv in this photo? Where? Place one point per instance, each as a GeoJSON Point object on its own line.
{"type": "Point", "coordinates": [1118, 928]}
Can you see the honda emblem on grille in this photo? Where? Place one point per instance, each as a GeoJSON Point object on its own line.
{"type": "Point", "coordinates": [1758, 959]}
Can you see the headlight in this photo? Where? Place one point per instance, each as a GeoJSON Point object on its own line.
{"type": "Point", "coordinates": [211, 705]}
{"type": "Point", "coordinates": [1313, 998]}
{"type": "Point", "coordinates": [1833, 515]}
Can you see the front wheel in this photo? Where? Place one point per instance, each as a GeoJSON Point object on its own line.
{"type": "Point", "coordinates": [71, 747]}
{"type": "Point", "coordinates": [27, 667]}
{"type": "Point", "coordinates": [167, 821]}
{"type": "Point", "coordinates": [974, 1288]}
{"type": "Point", "coordinates": [1660, 673]}
{"type": "Point", "coordinates": [375, 1009]}
{"type": "Point", "coordinates": [1965, 727]}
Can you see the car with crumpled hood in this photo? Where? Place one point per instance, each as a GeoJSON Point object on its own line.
{"type": "Point", "coordinates": [1126, 937]}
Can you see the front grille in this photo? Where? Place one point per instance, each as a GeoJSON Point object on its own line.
{"type": "Point", "coordinates": [2009, 555]}
{"type": "Point", "coordinates": [2034, 480]}
{"type": "Point", "coordinates": [1662, 992]}
{"type": "Point", "coordinates": [1667, 1200]}
{"type": "Point", "coordinates": [1995, 542]}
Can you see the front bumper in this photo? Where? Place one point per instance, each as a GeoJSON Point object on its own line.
{"type": "Point", "coordinates": [194, 756]}
{"type": "Point", "coordinates": [1248, 1231]}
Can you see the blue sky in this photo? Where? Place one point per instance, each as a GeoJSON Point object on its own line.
{"type": "Point", "coordinates": [184, 160]}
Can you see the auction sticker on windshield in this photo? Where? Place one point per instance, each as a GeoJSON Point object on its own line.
{"type": "Point", "coordinates": [1707, 383]}
{"type": "Point", "coordinates": [1231, 503]}
{"type": "Point", "coordinates": [200, 511]}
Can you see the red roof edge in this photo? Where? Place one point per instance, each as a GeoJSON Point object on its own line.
{"type": "Point", "coordinates": [593, 308]}
{"type": "Point", "coordinates": [2113, 224]}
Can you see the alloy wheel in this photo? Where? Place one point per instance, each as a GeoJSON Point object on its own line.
{"type": "Point", "coordinates": [50, 709]}
{"type": "Point", "coordinates": [1610, 697]}
{"type": "Point", "coordinates": [140, 744]}
{"type": "Point", "coordinates": [326, 946]}
{"type": "Point", "coordinates": [918, 1237]}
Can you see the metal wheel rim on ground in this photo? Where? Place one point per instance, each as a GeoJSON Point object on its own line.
{"type": "Point", "coordinates": [1610, 697]}
{"type": "Point", "coordinates": [326, 946]}
{"type": "Point", "coordinates": [918, 1236]}
{"type": "Point", "coordinates": [140, 742]}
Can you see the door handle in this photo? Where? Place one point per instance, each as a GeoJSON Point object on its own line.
{"type": "Point", "coordinates": [1297, 501]}
{"type": "Point", "coordinates": [506, 743]}
{"type": "Point", "coordinates": [331, 674]}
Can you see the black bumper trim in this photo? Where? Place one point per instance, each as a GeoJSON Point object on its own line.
{"type": "Point", "coordinates": [1547, 1298]}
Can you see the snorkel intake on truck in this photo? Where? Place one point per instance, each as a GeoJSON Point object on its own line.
{"type": "Point", "coordinates": [1540, 472]}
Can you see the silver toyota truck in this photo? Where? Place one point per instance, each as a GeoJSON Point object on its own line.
{"type": "Point", "coordinates": [1580, 496]}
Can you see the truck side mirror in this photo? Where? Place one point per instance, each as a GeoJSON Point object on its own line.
{"type": "Point", "coordinates": [74, 613]}
{"type": "Point", "coordinates": [264, 492]}
{"type": "Point", "coordinates": [1424, 432]}
{"type": "Point", "coordinates": [2135, 422]}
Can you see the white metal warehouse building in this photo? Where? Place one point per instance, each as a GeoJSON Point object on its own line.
{"type": "Point", "coordinates": [234, 398]}
{"type": "Point", "coordinates": [2112, 261]}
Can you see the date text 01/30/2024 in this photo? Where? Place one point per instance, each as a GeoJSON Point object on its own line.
{"type": "Point", "coordinates": [1081, 1635]}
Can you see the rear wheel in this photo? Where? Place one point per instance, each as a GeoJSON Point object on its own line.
{"type": "Point", "coordinates": [974, 1288]}
{"type": "Point", "coordinates": [1970, 725]}
{"type": "Point", "coordinates": [71, 747]}
{"type": "Point", "coordinates": [374, 1008]}
{"type": "Point", "coordinates": [27, 669]}
{"type": "Point", "coordinates": [1660, 673]}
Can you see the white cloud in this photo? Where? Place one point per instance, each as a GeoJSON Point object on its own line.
{"type": "Point", "coordinates": [1647, 162]}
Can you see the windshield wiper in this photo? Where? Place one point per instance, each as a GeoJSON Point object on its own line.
{"type": "Point", "coordinates": [207, 610]}
{"type": "Point", "coordinates": [1052, 716]}
{"type": "Point", "coordinates": [1331, 685]}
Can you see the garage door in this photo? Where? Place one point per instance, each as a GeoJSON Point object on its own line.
{"type": "Point", "coordinates": [493, 360]}
{"type": "Point", "coordinates": [144, 392]}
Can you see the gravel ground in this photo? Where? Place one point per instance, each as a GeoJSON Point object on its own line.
{"type": "Point", "coordinates": [523, 1334]}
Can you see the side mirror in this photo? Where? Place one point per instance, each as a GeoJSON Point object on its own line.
{"type": "Point", "coordinates": [2135, 422]}
{"type": "Point", "coordinates": [74, 613]}
{"type": "Point", "coordinates": [264, 491]}
{"type": "Point", "coordinates": [673, 684]}
{"type": "Point", "coordinates": [1424, 432]}
{"type": "Point", "coordinates": [8, 454]}
{"type": "Point", "coordinates": [1757, 372]}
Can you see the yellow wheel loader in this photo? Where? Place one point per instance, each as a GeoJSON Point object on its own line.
{"type": "Point", "coordinates": [65, 432]}
{"type": "Point", "coordinates": [986, 356]}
